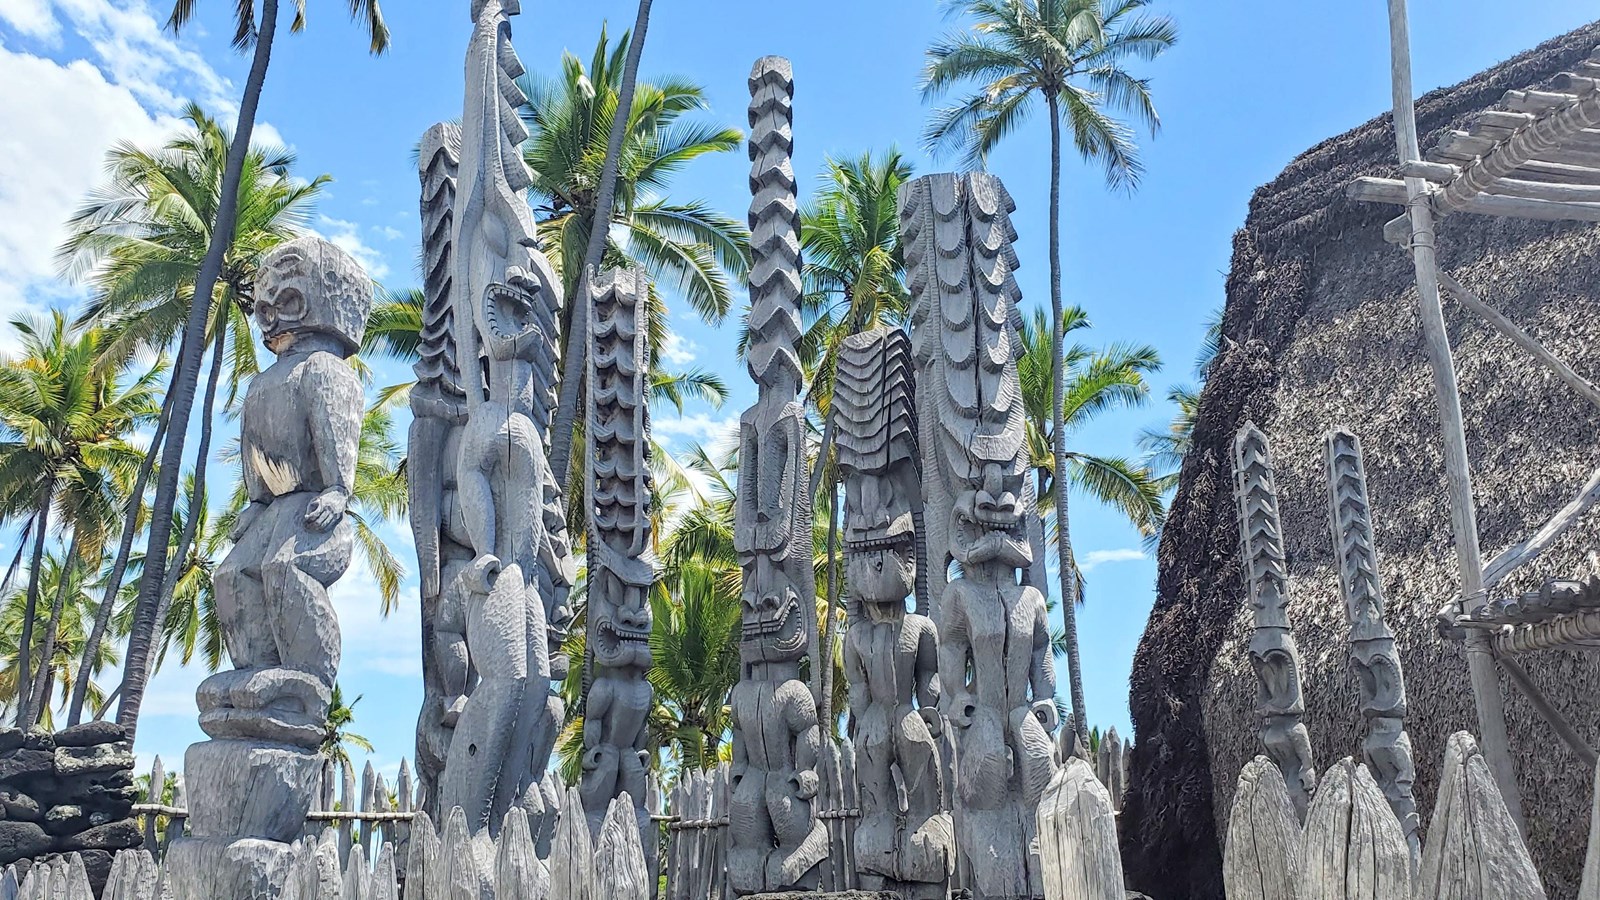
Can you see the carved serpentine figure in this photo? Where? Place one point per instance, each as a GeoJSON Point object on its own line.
{"type": "Point", "coordinates": [622, 567]}
{"type": "Point", "coordinates": [777, 840]}
{"type": "Point", "coordinates": [1373, 655]}
{"type": "Point", "coordinates": [505, 308]}
{"type": "Point", "coordinates": [995, 667]}
{"type": "Point", "coordinates": [298, 435]}
{"type": "Point", "coordinates": [903, 840]}
{"type": "Point", "coordinates": [438, 408]}
{"type": "Point", "coordinates": [1273, 653]}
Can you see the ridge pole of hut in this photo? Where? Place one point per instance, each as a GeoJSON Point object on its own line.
{"type": "Point", "coordinates": [1458, 468]}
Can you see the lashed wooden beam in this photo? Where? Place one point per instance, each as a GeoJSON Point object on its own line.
{"type": "Point", "coordinates": [1521, 338]}
{"type": "Point", "coordinates": [1527, 143]}
{"type": "Point", "coordinates": [1393, 191]}
{"type": "Point", "coordinates": [1519, 555]}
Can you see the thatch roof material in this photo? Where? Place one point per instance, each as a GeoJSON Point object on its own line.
{"type": "Point", "coordinates": [1321, 329]}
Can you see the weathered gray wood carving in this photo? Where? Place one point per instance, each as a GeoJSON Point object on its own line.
{"type": "Point", "coordinates": [506, 304]}
{"type": "Point", "coordinates": [438, 409]}
{"type": "Point", "coordinates": [996, 672]}
{"type": "Point", "coordinates": [1078, 852]}
{"type": "Point", "coordinates": [1474, 848]}
{"type": "Point", "coordinates": [254, 781]}
{"type": "Point", "coordinates": [903, 841]}
{"type": "Point", "coordinates": [1273, 653]}
{"type": "Point", "coordinates": [777, 839]}
{"type": "Point", "coordinates": [622, 566]}
{"type": "Point", "coordinates": [1261, 859]}
{"type": "Point", "coordinates": [1354, 847]}
{"type": "Point", "coordinates": [1373, 655]}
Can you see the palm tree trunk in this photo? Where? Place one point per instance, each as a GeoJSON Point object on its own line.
{"type": "Point", "coordinates": [119, 567]}
{"type": "Point", "coordinates": [197, 505]}
{"type": "Point", "coordinates": [185, 380]}
{"type": "Point", "coordinates": [41, 524]}
{"type": "Point", "coordinates": [1058, 436]}
{"type": "Point", "coordinates": [39, 694]}
{"type": "Point", "coordinates": [825, 656]}
{"type": "Point", "coordinates": [576, 351]}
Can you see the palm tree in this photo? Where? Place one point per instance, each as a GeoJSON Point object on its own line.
{"type": "Point", "coordinates": [185, 379]}
{"type": "Point", "coordinates": [695, 639]}
{"type": "Point", "coordinates": [190, 623]}
{"type": "Point", "coordinates": [65, 452]}
{"type": "Point", "coordinates": [575, 141]}
{"type": "Point", "coordinates": [337, 737]}
{"type": "Point", "coordinates": [141, 238]}
{"type": "Point", "coordinates": [60, 665]}
{"type": "Point", "coordinates": [1071, 53]}
{"type": "Point", "coordinates": [1165, 448]}
{"type": "Point", "coordinates": [1097, 381]}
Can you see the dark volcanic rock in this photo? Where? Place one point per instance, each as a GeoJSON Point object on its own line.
{"type": "Point", "coordinates": [10, 739]}
{"type": "Point", "coordinates": [91, 733]}
{"type": "Point", "coordinates": [39, 739]}
{"type": "Point", "coordinates": [814, 895]}
{"type": "Point", "coordinates": [19, 840]}
{"type": "Point", "coordinates": [1321, 330]}
{"type": "Point", "coordinates": [123, 835]}
{"type": "Point", "coordinates": [19, 806]}
{"type": "Point", "coordinates": [28, 763]}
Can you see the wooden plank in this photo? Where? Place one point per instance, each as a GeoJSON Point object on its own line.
{"type": "Point", "coordinates": [1353, 845]}
{"type": "Point", "coordinates": [1535, 102]}
{"type": "Point", "coordinates": [1474, 849]}
{"type": "Point", "coordinates": [1261, 858]}
{"type": "Point", "coordinates": [1543, 190]}
{"type": "Point", "coordinates": [1519, 555]}
{"type": "Point", "coordinates": [1500, 118]}
{"type": "Point", "coordinates": [1393, 191]}
{"type": "Point", "coordinates": [1516, 335]}
{"type": "Point", "coordinates": [1557, 173]}
{"type": "Point", "coordinates": [1458, 469]}
{"type": "Point", "coordinates": [1077, 829]}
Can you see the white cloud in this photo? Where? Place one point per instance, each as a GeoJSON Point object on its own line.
{"type": "Point", "coordinates": [137, 53]}
{"type": "Point", "coordinates": [678, 350]}
{"type": "Point", "coordinates": [1094, 559]}
{"type": "Point", "coordinates": [388, 232]}
{"type": "Point", "coordinates": [72, 116]}
{"type": "Point", "coordinates": [347, 236]}
{"type": "Point", "coordinates": [30, 17]}
{"type": "Point", "coordinates": [697, 427]}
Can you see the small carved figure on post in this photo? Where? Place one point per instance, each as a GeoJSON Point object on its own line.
{"type": "Point", "coordinates": [1273, 652]}
{"type": "Point", "coordinates": [903, 840]}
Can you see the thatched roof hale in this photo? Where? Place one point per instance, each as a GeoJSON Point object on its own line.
{"type": "Point", "coordinates": [1321, 329]}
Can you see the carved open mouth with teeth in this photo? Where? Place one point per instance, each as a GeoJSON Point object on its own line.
{"type": "Point", "coordinates": [508, 312]}
{"type": "Point", "coordinates": [784, 630]}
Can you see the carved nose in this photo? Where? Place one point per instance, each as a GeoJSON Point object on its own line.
{"type": "Point", "coordinates": [634, 617]}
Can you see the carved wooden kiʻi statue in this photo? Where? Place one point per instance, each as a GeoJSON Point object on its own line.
{"type": "Point", "coordinates": [903, 840]}
{"type": "Point", "coordinates": [1273, 652]}
{"type": "Point", "coordinates": [777, 840]}
{"type": "Point", "coordinates": [298, 435]}
{"type": "Point", "coordinates": [506, 306]}
{"type": "Point", "coordinates": [438, 409]}
{"type": "Point", "coordinates": [622, 567]}
{"type": "Point", "coordinates": [996, 673]}
{"type": "Point", "coordinates": [1373, 655]}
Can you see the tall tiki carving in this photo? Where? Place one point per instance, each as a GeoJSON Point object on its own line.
{"type": "Point", "coordinates": [1273, 653]}
{"type": "Point", "coordinates": [777, 841]}
{"type": "Point", "coordinates": [622, 566]}
{"type": "Point", "coordinates": [438, 409]}
{"type": "Point", "coordinates": [903, 839]}
{"type": "Point", "coordinates": [506, 302]}
{"type": "Point", "coordinates": [1373, 655]}
{"type": "Point", "coordinates": [995, 666]}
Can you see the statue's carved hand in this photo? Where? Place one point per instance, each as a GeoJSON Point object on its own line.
{"type": "Point", "coordinates": [246, 518]}
{"type": "Point", "coordinates": [327, 509]}
{"type": "Point", "coordinates": [805, 784]}
{"type": "Point", "coordinates": [931, 718]}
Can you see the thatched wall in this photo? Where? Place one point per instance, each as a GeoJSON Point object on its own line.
{"type": "Point", "coordinates": [1322, 330]}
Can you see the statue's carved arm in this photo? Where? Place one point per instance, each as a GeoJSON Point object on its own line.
{"type": "Point", "coordinates": [954, 649]}
{"type": "Point", "coordinates": [1042, 673]}
{"type": "Point", "coordinates": [335, 436]}
{"type": "Point", "coordinates": [927, 668]}
{"type": "Point", "coordinates": [802, 721]}
{"type": "Point", "coordinates": [856, 670]}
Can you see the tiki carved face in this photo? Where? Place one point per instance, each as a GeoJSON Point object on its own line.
{"type": "Point", "coordinates": [310, 286]}
{"type": "Point", "coordinates": [510, 314]}
{"type": "Point", "coordinates": [1383, 687]}
{"type": "Point", "coordinates": [621, 620]}
{"type": "Point", "coordinates": [987, 524]}
{"type": "Point", "coordinates": [774, 622]}
{"type": "Point", "coordinates": [879, 535]}
{"type": "Point", "coordinates": [1276, 664]}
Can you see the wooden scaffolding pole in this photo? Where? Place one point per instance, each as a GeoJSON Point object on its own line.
{"type": "Point", "coordinates": [1463, 509]}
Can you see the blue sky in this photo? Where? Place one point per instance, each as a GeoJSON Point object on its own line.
{"type": "Point", "coordinates": [1251, 84]}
